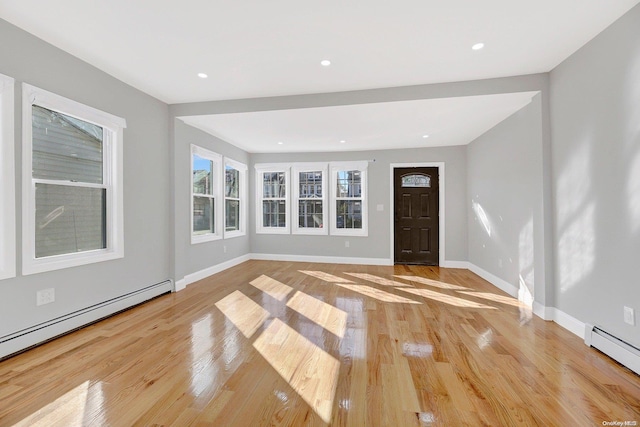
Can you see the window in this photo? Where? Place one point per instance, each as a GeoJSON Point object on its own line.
{"type": "Point", "coordinates": [348, 201]}
{"type": "Point", "coordinates": [72, 183]}
{"type": "Point", "coordinates": [272, 205]}
{"type": "Point", "coordinates": [7, 183]}
{"type": "Point", "coordinates": [346, 216]}
{"type": "Point", "coordinates": [235, 190]}
{"type": "Point", "coordinates": [309, 199]}
{"type": "Point", "coordinates": [416, 180]}
{"type": "Point", "coordinates": [206, 217]}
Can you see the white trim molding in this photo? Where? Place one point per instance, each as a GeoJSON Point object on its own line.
{"type": "Point", "coordinates": [296, 170]}
{"type": "Point", "coordinates": [568, 322]}
{"type": "Point", "coordinates": [260, 170]}
{"type": "Point", "coordinates": [441, 200]}
{"type": "Point", "coordinates": [209, 271]}
{"type": "Point", "coordinates": [334, 169]}
{"type": "Point", "coordinates": [456, 264]}
{"type": "Point", "coordinates": [494, 280]}
{"type": "Point", "coordinates": [113, 127]}
{"type": "Point", "coordinates": [216, 177]}
{"type": "Point", "coordinates": [242, 198]}
{"type": "Point", "coordinates": [7, 180]}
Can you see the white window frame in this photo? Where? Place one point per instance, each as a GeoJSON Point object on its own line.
{"type": "Point", "coordinates": [217, 176]}
{"type": "Point", "coordinates": [296, 169]}
{"type": "Point", "coordinates": [243, 189]}
{"type": "Point", "coordinates": [112, 181]}
{"type": "Point", "coordinates": [334, 167]}
{"type": "Point", "coordinates": [7, 180]}
{"type": "Point", "coordinates": [260, 170]}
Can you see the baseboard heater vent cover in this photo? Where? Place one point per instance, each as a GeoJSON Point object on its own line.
{"type": "Point", "coordinates": [29, 337]}
{"type": "Point", "coordinates": [617, 349]}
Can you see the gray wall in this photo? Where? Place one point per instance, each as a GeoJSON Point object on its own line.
{"type": "Point", "coordinates": [504, 183]}
{"type": "Point", "coordinates": [190, 258]}
{"type": "Point", "coordinates": [595, 107]}
{"type": "Point", "coordinates": [146, 177]}
{"type": "Point", "coordinates": [378, 242]}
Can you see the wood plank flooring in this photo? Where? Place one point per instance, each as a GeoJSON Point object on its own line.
{"type": "Point", "coordinates": [300, 344]}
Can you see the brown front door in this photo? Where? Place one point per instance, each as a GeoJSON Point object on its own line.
{"type": "Point", "coordinates": [416, 208]}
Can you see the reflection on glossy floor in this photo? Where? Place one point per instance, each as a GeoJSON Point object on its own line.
{"type": "Point", "coordinates": [299, 344]}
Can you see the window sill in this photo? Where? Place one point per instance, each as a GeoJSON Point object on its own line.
{"type": "Point", "coordinates": [310, 231]}
{"type": "Point", "coordinates": [273, 230]}
{"type": "Point", "coordinates": [204, 238]}
{"type": "Point", "coordinates": [233, 234]}
{"type": "Point", "coordinates": [59, 262]}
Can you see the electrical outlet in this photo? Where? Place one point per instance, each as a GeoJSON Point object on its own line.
{"type": "Point", "coordinates": [629, 316]}
{"type": "Point", "coordinates": [380, 208]}
{"type": "Point", "coordinates": [500, 263]}
{"type": "Point", "coordinates": [224, 249]}
{"type": "Point", "coordinates": [45, 296]}
{"type": "Point", "coordinates": [346, 243]}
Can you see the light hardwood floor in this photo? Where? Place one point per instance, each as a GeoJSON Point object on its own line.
{"type": "Point", "coordinates": [297, 344]}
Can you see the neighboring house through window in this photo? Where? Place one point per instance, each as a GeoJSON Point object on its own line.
{"type": "Point", "coordinates": [346, 189]}
{"type": "Point", "coordinates": [206, 205]}
{"type": "Point", "coordinates": [348, 200]}
{"type": "Point", "coordinates": [272, 199]}
{"type": "Point", "coordinates": [72, 183]}
{"type": "Point", "coordinates": [235, 196]}
{"type": "Point", "coordinates": [310, 198]}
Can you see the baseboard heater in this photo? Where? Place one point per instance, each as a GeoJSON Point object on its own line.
{"type": "Point", "coordinates": [619, 350]}
{"type": "Point", "coordinates": [29, 337]}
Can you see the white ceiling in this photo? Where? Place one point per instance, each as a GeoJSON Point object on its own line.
{"type": "Point", "coordinates": [448, 121]}
{"type": "Point", "coordinates": [269, 48]}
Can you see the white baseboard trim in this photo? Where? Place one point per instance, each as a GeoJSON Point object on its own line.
{"type": "Point", "coordinates": [321, 259]}
{"type": "Point", "coordinates": [494, 280]}
{"type": "Point", "coordinates": [570, 323]}
{"type": "Point", "coordinates": [179, 285]}
{"type": "Point", "coordinates": [543, 312]}
{"type": "Point", "coordinates": [209, 271]}
{"type": "Point", "coordinates": [456, 264]}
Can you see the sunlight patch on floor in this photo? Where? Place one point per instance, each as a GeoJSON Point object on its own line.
{"type": "Point", "coordinates": [329, 317]}
{"type": "Point", "coordinates": [378, 294]}
{"type": "Point", "coordinates": [325, 276]}
{"type": "Point", "coordinates": [309, 370]}
{"type": "Point", "coordinates": [70, 409]}
{"type": "Point", "coordinates": [496, 298]}
{"type": "Point", "coordinates": [378, 280]}
{"type": "Point", "coordinates": [272, 287]}
{"type": "Point", "coordinates": [434, 283]}
{"type": "Point", "coordinates": [447, 299]}
{"type": "Point", "coordinates": [243, 312]}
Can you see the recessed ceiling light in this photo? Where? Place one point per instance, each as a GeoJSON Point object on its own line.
{"type": "Point", "coordinates": [202, 75]}
{"type": "Point", "coordinates": [280, 142]}
{"type": "Point", "coordinates": [325, 62]}
{"type": "Point", "coordinates": [425, 136]}
{"type": "Point", "coordinates": [342, 141]}
{"type": "Point", "coordinates": [477, 46]}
